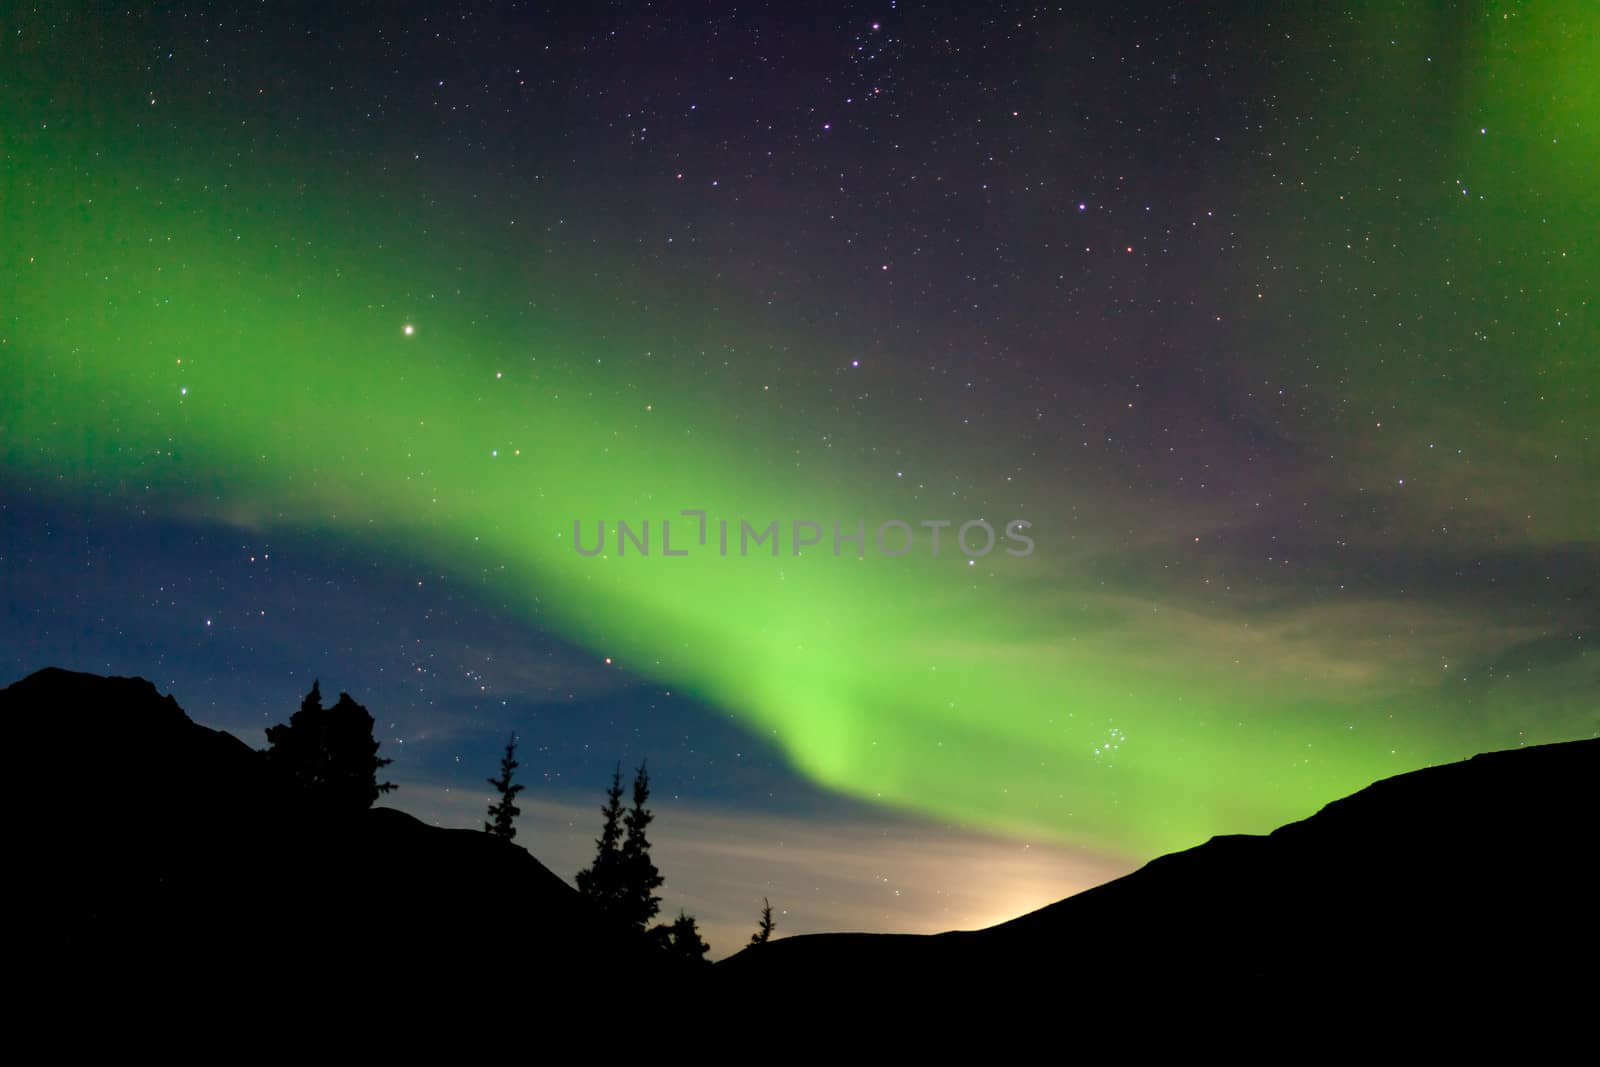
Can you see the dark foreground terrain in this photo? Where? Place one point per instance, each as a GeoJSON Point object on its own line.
{"type": "Point", "coordinates": [161, 858]}
{"type": "Point", "coordinates": [1466, 883]}
{"type": "Point", "coordinates": [160, 863]}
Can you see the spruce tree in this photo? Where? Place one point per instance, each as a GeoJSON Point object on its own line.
{"type": "Point", "coordinates": [684, 944]}
{"type": "Point", "coordinates": [763, 932]}
{"type": "Point", "coordinates": [503, 812]}
{"type": "Point", "coordinates": [640, 879]}
{"type": "Point", "coordinates": [601, 882]}
{"type": "Point", "coordinates": [329, 754]}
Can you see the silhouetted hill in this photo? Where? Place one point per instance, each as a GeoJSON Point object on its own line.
{"type": "Point", "coordinates": [163, 867]}
{"type": "Point", "coordinates": [154, 846]}
{"type": "Point", "coordinates": [1465, 880]}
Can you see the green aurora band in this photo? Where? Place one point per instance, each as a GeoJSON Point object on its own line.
{"type": "Point", "coordinates": [207, 344]}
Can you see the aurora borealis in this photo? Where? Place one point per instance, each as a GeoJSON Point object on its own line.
{"type": "Point", "coordinates": [1279, 330]}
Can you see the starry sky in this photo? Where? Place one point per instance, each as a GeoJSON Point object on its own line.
{"type": "Point", "coordinates": [330, 338]}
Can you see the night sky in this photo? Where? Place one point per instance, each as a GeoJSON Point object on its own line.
{"type": "Point", "coordinates": [325, 330]}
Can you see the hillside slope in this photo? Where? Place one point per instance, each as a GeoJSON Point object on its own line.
{"type": "Point", "coordinates": [148, 839]}
{"type": "Point", "coordinates": [1466, 877]}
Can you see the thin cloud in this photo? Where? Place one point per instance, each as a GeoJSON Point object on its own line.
{"type": "Point", "coordinates": [883, 874]}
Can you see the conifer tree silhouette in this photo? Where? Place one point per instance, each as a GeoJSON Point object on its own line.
{"type": "Point", "coordinates": [622, 880]}
{"type": "Point", "coordinates": [763, 932]}
{"type": "Point", "coordinates": [329, 754]}
{"type": "Point", "coordinates": [601, 882]}
{"type": "Point", "coordinates": [684, 944]}
{"type": "Point", "coordinates": [503, 812]}
{"type": "Point", "coordinates": [640, 879]}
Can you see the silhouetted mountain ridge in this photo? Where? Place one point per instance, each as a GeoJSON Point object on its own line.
{"type": "Point", "coordinates": [165, 840]}
{"type": "Point", "coordinates": [1450, 879]}
{"type": "Point", "coordinates": [166, 848]}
